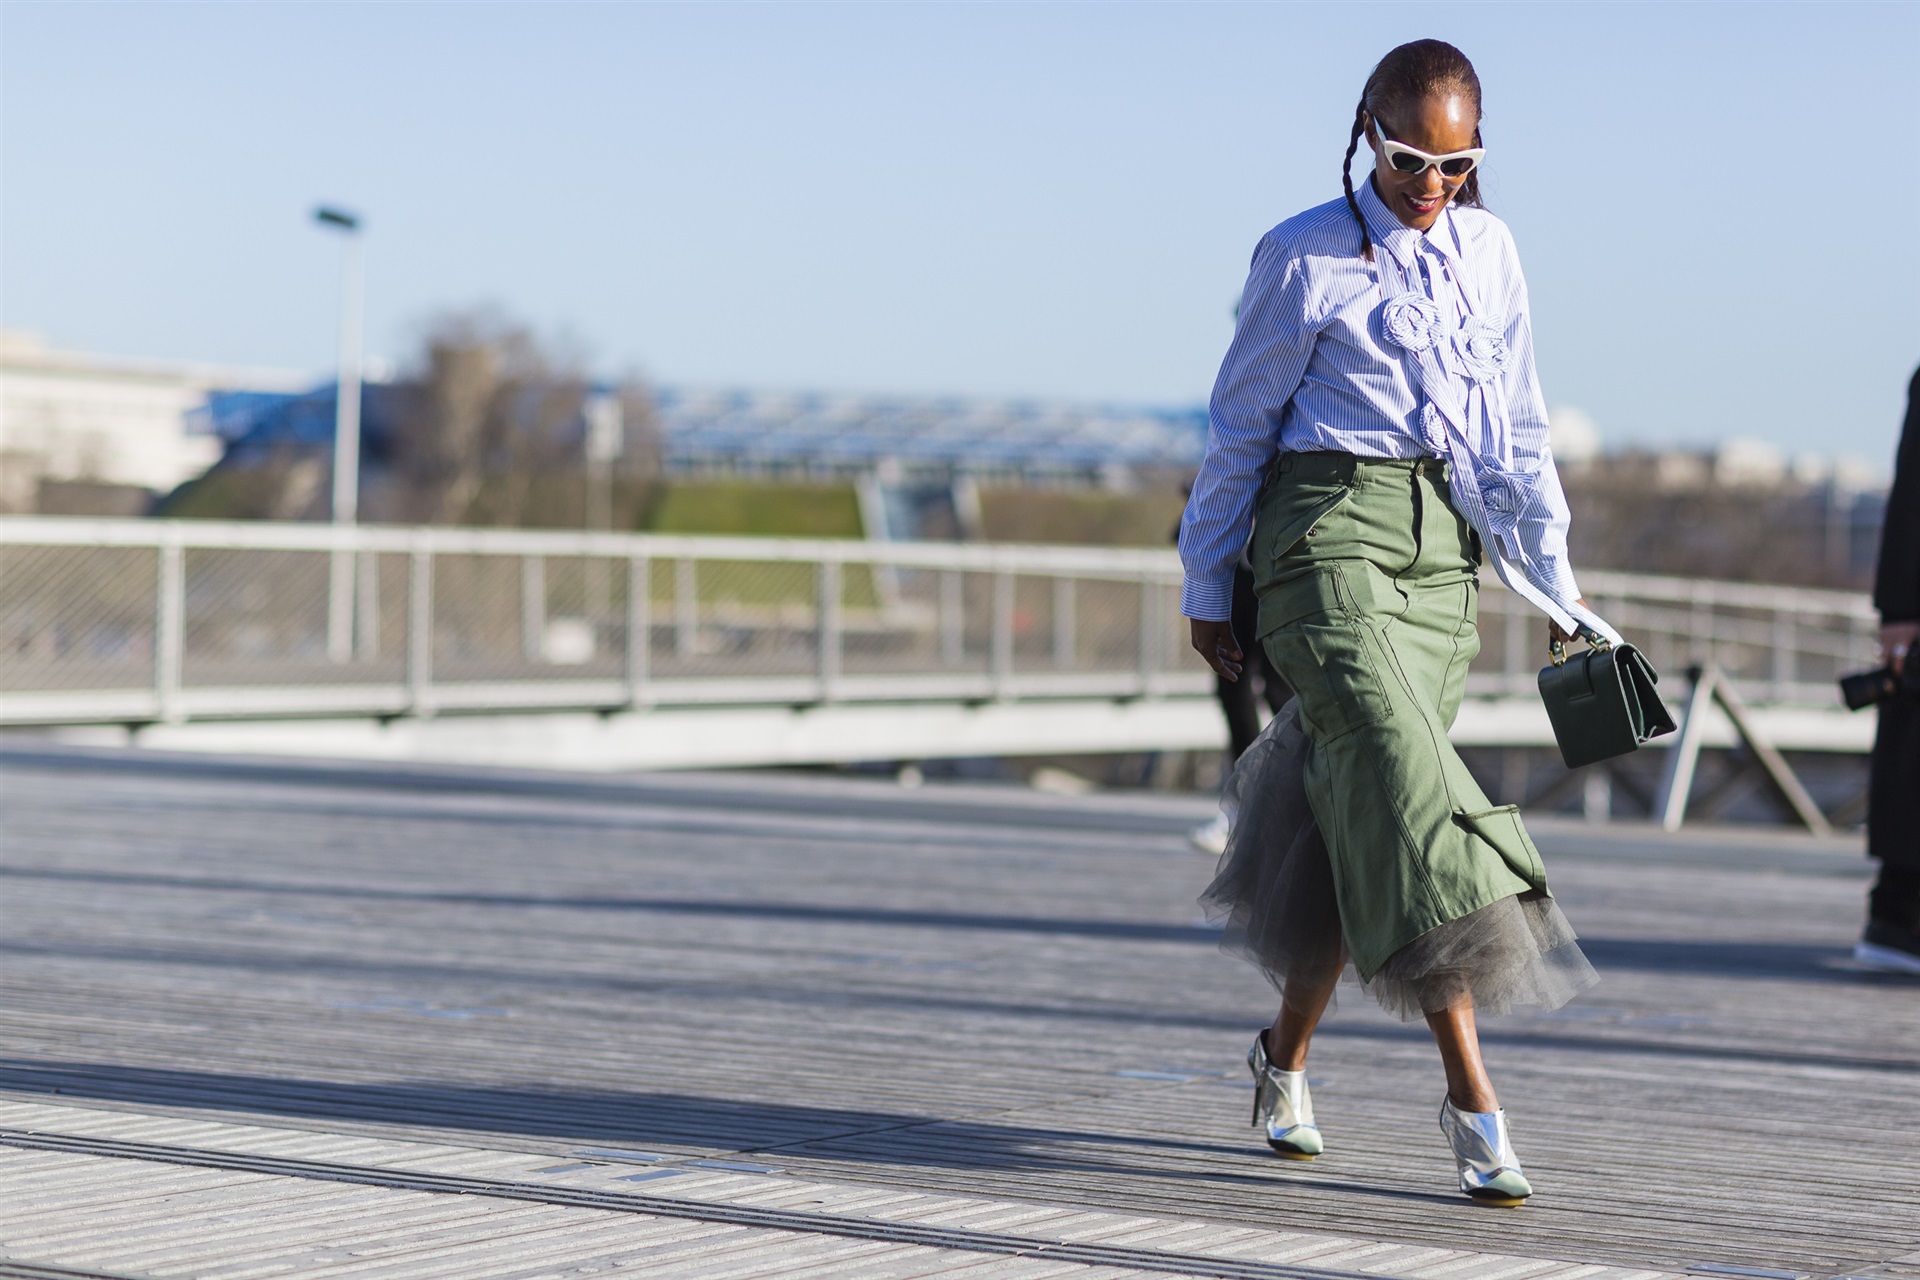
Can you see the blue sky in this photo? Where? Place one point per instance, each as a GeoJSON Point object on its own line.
{"type": "Point", "coordinates": [1034, 200]}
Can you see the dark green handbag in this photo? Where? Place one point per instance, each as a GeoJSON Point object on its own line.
{"type": "Point", "coordinates": [1601, 701]}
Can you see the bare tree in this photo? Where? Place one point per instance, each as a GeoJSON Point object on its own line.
{"type": "Point", "coordinates": [1665, 513]}
{"type": "Point", "coordinates": [493, 413]}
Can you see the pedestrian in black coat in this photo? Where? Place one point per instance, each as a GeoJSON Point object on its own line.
{"type": "Point", "coordinates": [1892, 938]}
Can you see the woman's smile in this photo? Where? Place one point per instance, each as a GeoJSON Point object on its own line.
{"type": "Point", "coordinates": [1423, 206]}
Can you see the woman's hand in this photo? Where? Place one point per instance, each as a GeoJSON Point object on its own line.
{"type": "Point", "coordinates": [1555, 635]}
{"type": "Point", "coordinates": [1214, 641]}
{"type": "Point", "coordinates": [1897, 640]}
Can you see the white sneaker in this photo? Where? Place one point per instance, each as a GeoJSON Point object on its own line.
{"type": "Point", "coordinates": [1889, 948]}
{"type": "Point", "coordinates": [1211, 837]}
{"type": "Point", "coordinates": [1886, 959]}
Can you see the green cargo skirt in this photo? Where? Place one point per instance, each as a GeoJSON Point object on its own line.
{"type": "Point", "coordinates": [1361, 835]}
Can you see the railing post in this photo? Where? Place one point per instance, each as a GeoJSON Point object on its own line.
{"type": "Point", "coordinates": [1149, 634]}
{"type": "Point", "coordinates": [1002, 660]}
{"type": "Point", "coordinates": [827, 580]}
{"type": "Point", "coordinates": [639, 626]}
{"type": "Point", "coordinates": [1596, 800]}
{"type": "Point", "coordinates": [420, 628]}
{"type": "Point", "coordinates": [1676, 773]}
{"type": "Point", "coordinates": [1839, 530]}
{"type": "Point", "coordinates": [1517, 664]}
{"type": "Point", "coordinates": [533, 607]}
{"type": "Point", "coordinates": [1785, 668]}
{"type": "Point", "coordinates": [1700, 644]}
{"type": "Point", "coordinates": [170, 629]}
{"type": "Point", "coordinates": [340, 602]}
{"type": "Point", "coordinates": [953, 618]}
{"type": "Point", "coordinates": [1065, 618]}
{"type": "Point", "coordinates": [686, 608]}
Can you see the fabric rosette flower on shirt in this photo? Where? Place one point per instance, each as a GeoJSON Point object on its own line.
{"type": "Point", "coordinates": [1482, 344]}
{"type": "Point", "coordinates": [1507, 497]}
{"type": "Point", "coordinates": [1433, 428]}
{"type": "Point", "coordinates": [1412, 322]}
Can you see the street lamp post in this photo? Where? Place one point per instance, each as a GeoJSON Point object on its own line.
{"type": "Point", "coordinates": [605, 430]}
{"type": "Point", "coordinates": [605, 426]}
{"type": "Point", "coordinates": [346, 434]}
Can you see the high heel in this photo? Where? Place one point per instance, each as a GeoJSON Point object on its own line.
{"type": "Point", "coordinates": [1282, 1103]}
{"type": "Point", "coordinates": [1489, 1170]}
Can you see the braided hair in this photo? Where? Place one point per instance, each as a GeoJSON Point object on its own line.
{"type": "Point", "coordinates": [1406, 75]}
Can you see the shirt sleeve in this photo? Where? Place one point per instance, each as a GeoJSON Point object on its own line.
{"type": "Point", "coordinates": [1543, 529]}
{"type": "Point", "coordinates": [1263, 368]}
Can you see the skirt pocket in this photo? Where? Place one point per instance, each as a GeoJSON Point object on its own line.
{"type": "Point", "coordinates": [1501, 828]}
{"type": "Point", "coordinates": [1288, 512]}
{"type": "Point", "coordinates": [1325, 650]}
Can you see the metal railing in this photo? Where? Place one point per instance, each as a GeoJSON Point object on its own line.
{"type": "Point", "coordinates": [136, 621]}
{"type": "Point", "coordinates": [130, 621]}
{"type": "Point", "coordinates": [1780, 645]}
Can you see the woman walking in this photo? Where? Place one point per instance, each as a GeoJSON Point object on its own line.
{"type": "Point", "coordinates": [1379, 424]}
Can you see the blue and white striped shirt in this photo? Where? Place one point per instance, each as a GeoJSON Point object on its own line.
{"type": "Point", "coordinates": [1312, 367]}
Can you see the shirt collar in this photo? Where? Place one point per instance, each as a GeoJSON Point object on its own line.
{"type": "Point", "coordinates": [1401, 240]}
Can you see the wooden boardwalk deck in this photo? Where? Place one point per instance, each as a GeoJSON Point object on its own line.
{"type": "Point", "coordinates": [262, 1020]}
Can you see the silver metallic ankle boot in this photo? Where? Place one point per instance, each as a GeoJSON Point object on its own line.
{"type": "Point", "coordinates": [1489, 1170]}
{"type": "Point", "coordinates": [1282, 1103]}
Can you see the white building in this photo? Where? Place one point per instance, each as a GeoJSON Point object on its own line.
{"type": "Point", "coordinates": [1572, 434]}
{"type": "Point", "coordinates": [67, 417]}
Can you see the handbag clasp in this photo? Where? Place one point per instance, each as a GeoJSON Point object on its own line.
{"type": "Point", "coordinates": [1557, 649]}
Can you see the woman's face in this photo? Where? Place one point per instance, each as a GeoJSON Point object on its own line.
{"type": "Point", "coordinates": [1436, 125]}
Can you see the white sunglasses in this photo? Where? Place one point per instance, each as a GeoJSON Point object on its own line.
{"type": "Point", "coordinates": [1412, 161]}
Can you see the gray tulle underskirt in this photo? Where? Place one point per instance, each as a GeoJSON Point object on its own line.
{"type": "Point", "coordinates": [1274, 892]}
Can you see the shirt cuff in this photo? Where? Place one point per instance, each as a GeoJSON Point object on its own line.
{"type": "Point", "coordinates": [1552, 574]}
{"type": "Point", "coordinates": [1207, 601]}
{"type": "Point", "coordinates": [1559, 576]}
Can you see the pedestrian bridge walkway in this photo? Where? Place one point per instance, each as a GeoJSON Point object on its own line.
{"type": "Point", "coordinates": [325, 1020]}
